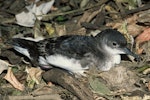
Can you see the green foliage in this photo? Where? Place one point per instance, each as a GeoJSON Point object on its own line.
{"type": "Point", "coordinates": [98, 86]}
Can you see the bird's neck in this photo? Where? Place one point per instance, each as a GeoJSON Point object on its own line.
{"type": "Point", "coordinates": [108, 59]}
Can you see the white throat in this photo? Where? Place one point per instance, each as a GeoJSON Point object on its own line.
{"type": "Point", "coordinates": [113, 57]}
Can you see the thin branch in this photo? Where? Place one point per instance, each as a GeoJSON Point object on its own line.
{"type": "Point", "coordinates": [81, 10]}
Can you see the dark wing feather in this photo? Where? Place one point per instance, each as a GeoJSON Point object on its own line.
{"type": "Point", "coordinates": [70, 46]}
{"type": "Point", "coordinates": [30, 46]}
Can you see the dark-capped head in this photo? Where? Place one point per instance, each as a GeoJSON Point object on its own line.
{"type": "Point", "coordinates": [113, 42]}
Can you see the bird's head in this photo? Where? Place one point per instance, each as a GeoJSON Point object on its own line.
{"type": "Point", "coordinates": [113, 42]}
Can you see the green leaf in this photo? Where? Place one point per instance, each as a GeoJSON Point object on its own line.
{"type": "Point", "coordinates": [98, 86]}
{"type": "Point", "coordinates": [61, 18]}
{"type": "Point", "coordinates": [142, 68]}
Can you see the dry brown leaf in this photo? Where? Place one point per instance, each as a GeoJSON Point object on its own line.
{"type": "Point", "coordinates": [146, 97]}
{"type": "Point", "coordinates": [110, 9]}
{"type": "Point", "coordinates": [34, 74]}
{"type": "Point", "coordinates": [49, 83]}
{"type": "Point", "coordinates": [132, 28]}
{"type": "Point", "coordinates": [114, 25]}
{"type": "Point", "coordinates": [148, 85]}
{"type": "Point", "coordinates": [132, 19]}
{"type": "Point", "coordinates": [88, 16]}
{"type": "Point", "coordinates": [53, 8]}
{"type": "Point", "coordinates": [4, 65]}
{"type": "Point", "coordinates": [144, 17]}
{"type": "Point", "coordinates": [143, 37]}
{"type": "Point", "coordinates": [131, 98]}
{"type": "Point", "coordinates": [146, 71]}
{"type": "Point", "coordinates": [99, 98]}
{"type": "Point", "coordinates": [12, 79]}
{"type": "Point", "coordinates": [93, 14]}
{"type": "Point", "coordinates": [84, 17]}
{"type": "Point", "coordinates": [80, 31]}
{"type": "Point", "coordinates": [60, 29]}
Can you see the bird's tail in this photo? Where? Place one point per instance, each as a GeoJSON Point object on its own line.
{"type": "Point", "coordinates": [25, 47]}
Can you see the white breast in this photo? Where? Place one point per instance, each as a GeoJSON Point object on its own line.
{"type": "Point", "coordinates": [109, 63]}
{"type": "Point", "coordinates": [63, 62]}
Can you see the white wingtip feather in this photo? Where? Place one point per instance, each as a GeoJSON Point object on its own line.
{"type": "Point", "coordinates": [22, 51]}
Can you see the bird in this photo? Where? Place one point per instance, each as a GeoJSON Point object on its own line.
{"type": "Point", "coordinates": [76, 53]}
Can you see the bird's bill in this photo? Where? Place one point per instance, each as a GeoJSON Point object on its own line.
{"type": "Point", "coordinates": [128, 52]}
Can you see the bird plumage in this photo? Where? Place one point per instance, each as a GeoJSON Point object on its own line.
{"type": "Point", "coordinates": [75, 53]}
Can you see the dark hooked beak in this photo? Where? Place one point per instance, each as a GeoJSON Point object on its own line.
{"type": "Point", "coordinates": [128, 52]}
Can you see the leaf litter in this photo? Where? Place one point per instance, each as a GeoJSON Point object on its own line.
{"type": "Point", "coordinates": [48, 18]}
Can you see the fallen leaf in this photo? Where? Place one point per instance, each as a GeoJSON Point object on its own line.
{"type": "Point", "coordinates": [49, 29]}
{"type": "Point", "coordinates": [53, 8]}
{"type": "Point", "coordinates": [148, 85]}
{"type": "Point", "coordinates": [134, 29]}
{"type": "Point", "coordinates": [34, 76]}
{"type": "Point", "coordinates": [146, 71]}
{"type": "Point", "coordinates": [124, 31]}
{"type": "Point", "coordinates": [98, 86]}
{"type": "Point", "coordinates": [84, 3]}
{"type": "Point", "coordinates": [143, 37]}
{"type": "Point", "coordinates": [94, 14]}
{"type": "Point", "coordinates": [88, 16]}
{"type": "Point", "coordinates": [80, 31]}
{"type": "Point", "coordinates": [144, 17]}
{"type": "Point", "coordinates": [146, 97]}
{"type": "Point", "coordinates": [137, 97]}
{"type": "Point", "coordinates": [100, 98]}
{"type": "Point", "coordinates": [143, 69]}
{"type": "Point", "coordinates": [131, 98]}
{"type": "Point", "coordinates": [84, 18]}
{"type": "Point", "coordinates": [4, 65]}
{"type": "Point", "coordinates": [49, 83]}
{"type": "Point", "coordinates": [37, 30]}
{"type": "Point", "coordinates": [110, 9]}
{"type": "Point", "coordinates": [132, 19]}
{"type": "Point", "coordinates": [131, 25]}
{"type": "Point", "coordinates": [131, 4]}
{"type": "Point", "coordinates": [60, 29]}
{"type": "Point", "coordinates": [43, 90]}
{"type": "Point", "coordinates": [12, 79]}
{"type": "Point", "coordinates": [34, 10]}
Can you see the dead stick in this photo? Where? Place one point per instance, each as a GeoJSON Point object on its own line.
{"type": "Point", "coordinates": [145, 7]}
{"type": "Point", "coordinates": [41, 97]}
{"type": "Point", "coordinates": [68, 82]}
{"type": "Point", "coordinates": [50, 16]}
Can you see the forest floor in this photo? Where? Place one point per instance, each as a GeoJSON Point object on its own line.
{"type": "Point", "coordinates": [129, 80]}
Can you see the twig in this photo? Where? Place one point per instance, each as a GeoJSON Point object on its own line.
{"type": "Point", "coordinates": [68, 82]}
{"type": "Point", "coordinates": [145, 7]}
{"type": "Point", "coordinates": [81, 10]}
{"type": "Point", "coordinates": [42, 97]}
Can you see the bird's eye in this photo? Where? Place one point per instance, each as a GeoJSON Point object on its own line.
{"type": "Point", "coordinates": [114, 44]}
